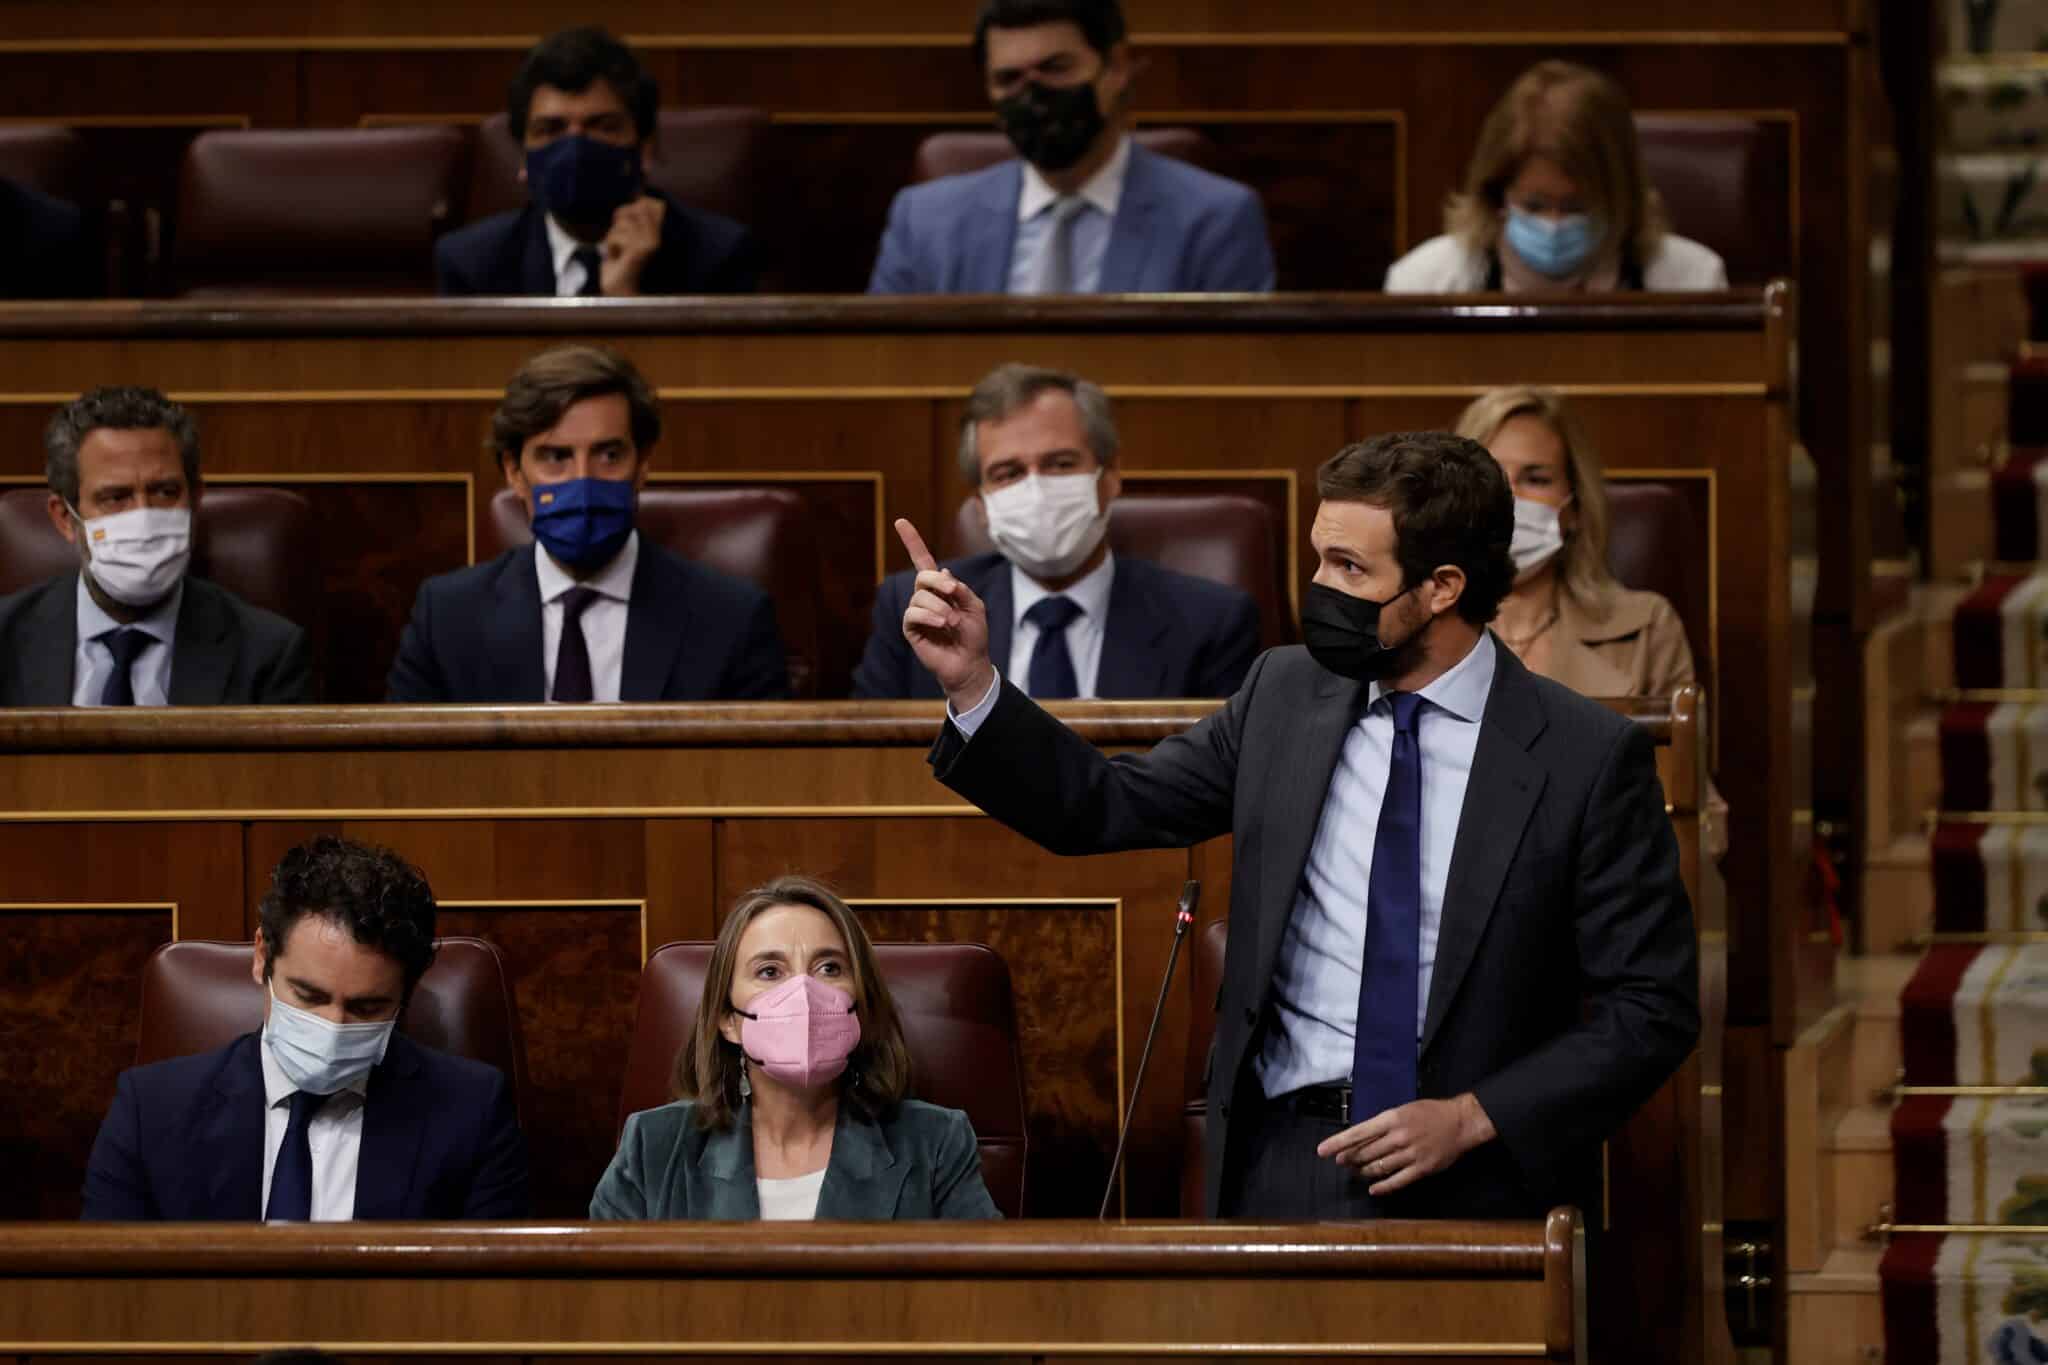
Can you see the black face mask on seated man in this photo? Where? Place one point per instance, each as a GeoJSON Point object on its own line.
{"type": "Point", "coordinates": [1342, 633]}
{"type": "Point", "coordinates": [1052, 127]}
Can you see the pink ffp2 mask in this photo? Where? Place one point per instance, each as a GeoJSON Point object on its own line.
{"type": "Point", "coordinates": [800, 1032]}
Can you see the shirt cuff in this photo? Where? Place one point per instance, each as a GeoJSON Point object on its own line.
{"type": "Point", "coordinates": [970, 722]}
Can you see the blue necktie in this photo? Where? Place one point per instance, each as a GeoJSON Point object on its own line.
{"type": "Point", "coordinates": [291, 1179]}
{"type": "Point", "coordinates": [126, 645]}
{"type": "Point", "coordinates": [572, 654]}
{"type": "Point", "coordinates": [592, 261]}
{"type": "Point", "coordinates": [1052, 666]}
{"type": "Point", "coordinates": [1383, 1056]}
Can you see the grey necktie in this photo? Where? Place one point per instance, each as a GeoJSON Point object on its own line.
{"type": "Point", "coordinates": [1056, 275]}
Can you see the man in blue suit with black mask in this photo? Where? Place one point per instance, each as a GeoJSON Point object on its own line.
{"type": "Point", "coordinates": [1086, 210]}
{"type": "Point", "coordinates": [327, 1113]}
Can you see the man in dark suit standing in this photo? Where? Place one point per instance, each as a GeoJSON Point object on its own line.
{"type": "Point", "coordinates": [1460, 950]}
{"type": "Point", "coordinates": [1066, 617]}
{"type": "Point", "coordinates": [45, 249]}
{"type": "Point", "coordinates": [594, 611]}
{"type": "Point", "coordinates": [131, 627]}
{"type": "Point", "coordinates": [327, 1113]}
{"type": "Point", "coordinates": [584, 112]}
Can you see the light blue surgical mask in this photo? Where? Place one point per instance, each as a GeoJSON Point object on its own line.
{"type": "Point", "coordinates": [320, 1057]}
{"type": "Point", "coordinates": [1555, 247]}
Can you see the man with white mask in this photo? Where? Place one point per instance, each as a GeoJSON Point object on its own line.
{"type": "Point", "coordinates": [131, 627]}
{"type": "Point", "coordinates": [326, 1113]}
{"type": "Point", "coordinates": [1067, 617]}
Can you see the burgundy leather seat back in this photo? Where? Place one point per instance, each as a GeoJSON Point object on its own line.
{"type": "Point", "coordinates": [1205, 979]}
{"type": "Point", "coordinates": [944, 154]}
{"type": "Point", "coordinates": [763, 535]}
{"type": "Point", "coordinates": [1224, 537]}
{"type": "Point", "coordinates": [197, 995]}
{"type": "Point", "coordinates": [252, 541]}
{"type": "Point", "coordinates": [322, 211]}
{"type": "Point", "coordinates": [959, 1021]}
{"type": "Point", "coordinates": [1726, 182]}
{"type": "Point", "coordinates": [715, 159]}
{"type": "Point", "coordinates": [1655, 544]}
{"type": "Point", "coordinates": [46, 157]}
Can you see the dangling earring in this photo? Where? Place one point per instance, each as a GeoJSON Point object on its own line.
{"type": "Point", "coordinates": [746, 1086]}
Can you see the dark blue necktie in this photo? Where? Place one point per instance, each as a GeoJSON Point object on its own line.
{"type": "Point", "coordinates": [1052, 666]}
{"type": "Point", "coordinates": [126, 645]}
{"type": "Point", "coordinates": [572, 654]}
{"type": "Point", "coordinates": [592, 261]}
{"type": "Point", "coordinates": [291, 1179]}
{"type": "Point", "coordinates": [1383, 1055]}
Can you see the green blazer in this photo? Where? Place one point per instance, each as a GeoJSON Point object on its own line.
{"type": "Point", "coordinates": [920, 1162]}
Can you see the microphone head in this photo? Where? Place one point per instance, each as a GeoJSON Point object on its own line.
{"type": "Point", "coordinates": [1190, 897]}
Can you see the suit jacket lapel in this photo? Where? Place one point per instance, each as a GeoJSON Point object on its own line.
{"type": "Point", "coordinates": [229, 1143]}
{"type": "Point", "coordinates": [1303, 783]}
{"type": "Point", "coordinates": [657, 623]}
{"type": "Point", "coordinates": [992, 234]}
{"type": "Point", "coordinates": [394, 1116]}
{"type": "Point", "coordinates": [47, 672]}
{"type": "Point", "coordinates": [726, 1165]}
{"type": "Point", "coordinates": [1133, 653]}
{"type": "Point", "coordinates": [519, 672]}
{"type": "Point", "coordinates": [536, 257]}
{"type": "Point", "coordinates": [863, 1180]}
{"type": "Point", "coordinates": [1499, 796]}
{"type": "Point", "coordinates": [1002, 608]}
{"type": "Point", "coordinates": [202, 650]}
{"type": "Point", "coordinates": [1130, 235]}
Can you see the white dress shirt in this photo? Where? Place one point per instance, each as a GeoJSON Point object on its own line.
{"type": "Point", "coordinates": [1084, 633]}
{"type": "Point", "coordinates": [1089, 239]}
{"type": "Point", "coordinates": [569, 272]}
{"type": "Point", "coordinates": [93, 664]}
{"type": "Point", "coordinates": [335, 1135]}
{"type": "Point", "coordinates": [790, 1200]}
{"type": "Point", "coordinates": [1322, 949]}
{"type": "Point", "coordinates": [604, 620]}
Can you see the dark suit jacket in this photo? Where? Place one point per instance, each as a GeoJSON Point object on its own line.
{"type": "Point", "coordinates": [1178, 229]}
{"type": "Point", "coordinates": [184, 1140]}
{"type": "Point", "coordinates": [45, 250]}
{"type": "Point", "coordinates": [919, 1162]}
{"type": "Point", "coordinates": [508, 253]}
{"type": "Point", "coordinates": [692, 634]}
{"type": "Point", "coordinates": [225, 652]}
{"type": "Point", "coordinates": [1566, 982]}
{"type": "Point", "coordinates": [1168, 634]}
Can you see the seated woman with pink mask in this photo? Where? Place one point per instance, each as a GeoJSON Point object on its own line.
{"type": "Point", "coordinates": [792, 1088]}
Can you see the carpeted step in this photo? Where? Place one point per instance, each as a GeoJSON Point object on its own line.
{"type": "Point", "coordinates": [1990, 878]}
{"type": "Point", "coordinates": [1969, 1159]}
{"type": "Point", "coordinates": [1994, 756]}
{"type": "Point", "coordinates": [1965, 1300]}
{"type": "Point", "coordinates": [1999, 633]}
{"type": "Point", "coordinates": [1975, 1015]}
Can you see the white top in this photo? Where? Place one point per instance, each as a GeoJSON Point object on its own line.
{"type": "Point", "coordinates": [1445, 265]}
{"type": "Point", "coordinates": [569, 272]}
{"type": "Point", "coordinates": [335, 1135]}
{"type": "Point", "coordinates": [1084, 633]}
{"type": "Point", "coordinates": [93, 663]}
{"type": "Point", "coordinates": [1322, 949]}
{"type": "Point", "coordinates": [604, 620]}
{"type": "Point", "coordinates": [794, 1200]}
{"type": "Point", "coordinates": [1089, 235]}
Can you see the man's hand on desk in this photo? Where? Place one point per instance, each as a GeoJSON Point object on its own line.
{"type": "Point", "coordinates": [947, 626]}
{"type": "Point", "coordinates": [1398, 1147]}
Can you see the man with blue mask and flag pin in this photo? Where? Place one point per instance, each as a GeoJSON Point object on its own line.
{"type": "Point", "coordinates": [584, 114]}
{"type": "Point", "coordinates": [593, 611]}
{"type": "Point", "coordinates": [327, 1113]}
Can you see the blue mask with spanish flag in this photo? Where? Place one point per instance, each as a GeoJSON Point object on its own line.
{"type": "Point", "coordinates": [584, 522]}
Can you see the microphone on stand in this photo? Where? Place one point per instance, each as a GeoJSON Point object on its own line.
{"type": "Point", "coordinates": [1183, 920]}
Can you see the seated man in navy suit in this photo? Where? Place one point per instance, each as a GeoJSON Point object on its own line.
{"type": "Point", "coordinates": [1066, 617]}
{"type": "Point", "coordinates": [1086, 210]}
{"type": "Point", "coordinates": [594, 611]}
{"type": "Point", "coordinates": [585, 113]}
{"type": "Point", "coordinates": [326, 1113]}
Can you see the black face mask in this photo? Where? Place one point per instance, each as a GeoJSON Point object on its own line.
{"type": "Point", "coordinates": [1342, 633]}
{"type": "Point", "coordinates": [1052, 127]}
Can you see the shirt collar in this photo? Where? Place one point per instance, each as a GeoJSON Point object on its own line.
{"type": "Point", "coordinates": [1090, 592]}
{"type": "Point", "coordinates": [1462, 689]}
{"type": "Point", "coordinates": [560, 244]}
{"type": "Point", "coordinates": [277, 1087]}
{"type": "Point", "coordinates": [161, 624]}
{"type": "Point", "coordinates": [1104, 190]}
{"type": "Point", "coordinates": [615, 580]}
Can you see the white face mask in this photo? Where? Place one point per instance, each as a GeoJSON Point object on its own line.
{"type": "Point", "coordinates": [138, 556]}
{"type": "Point", "coordinates": [320, 1057]}
{"type": "Point", "coordinates": [1538, 537]}
{"type": "Point", "coordinates": [1047, 524]}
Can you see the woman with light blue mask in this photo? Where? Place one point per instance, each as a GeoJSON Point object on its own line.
{"type": "Point", "coordinates": [1556, 201]}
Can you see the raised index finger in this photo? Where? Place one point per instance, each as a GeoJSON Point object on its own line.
{"type": "Point", "coordinates": [920, 557]}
